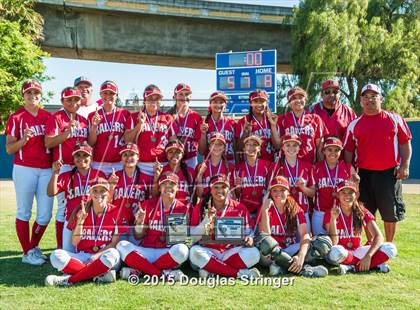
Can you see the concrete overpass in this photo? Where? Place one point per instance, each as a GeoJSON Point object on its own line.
{"type": "Point", "coordinates": [179, 33]}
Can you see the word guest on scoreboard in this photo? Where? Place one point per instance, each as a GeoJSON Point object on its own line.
{"type": "Point", "coordinates": [239, 73]}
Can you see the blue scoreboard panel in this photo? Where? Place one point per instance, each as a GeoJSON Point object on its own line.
{"type": "Point", "coordinates": [239, 73]}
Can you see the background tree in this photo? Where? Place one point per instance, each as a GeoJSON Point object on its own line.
{"type": "Point", "coordinates": [359, 42]}
{"type": "Point", "coordinates": [20, 56]}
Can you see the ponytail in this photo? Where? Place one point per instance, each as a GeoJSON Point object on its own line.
{"type": "Point", "coordinates": [357, 211]}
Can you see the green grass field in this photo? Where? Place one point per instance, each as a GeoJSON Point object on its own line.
{"type": "Point", "coordinates": [22, 286]}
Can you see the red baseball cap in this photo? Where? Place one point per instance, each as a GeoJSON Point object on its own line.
{"type": "Point", "coordinates": [174, 144]}
{"type": "Point", "coordinates": [109, 85]}
{"type": "Point", "coordinates": [181, 87]}
{"type": "Point", "coordinates": [253, 137]}
{"type": "Point", "coordinates": [219, 179]}
{"type": "Point", "coordinates": [330, 83]}
{"type": "Point", "coordinates": [292, 137]}
{"type": "Point", "coordinates": [333, 141]}
{"type": "Point", "coordinates": [257, 94]}
{"type": "Point", "coordinates": [168, 176]}
{"type": "Point", "coordinates": [217, 136]}
{"type": "Point", "coordinates": [373, 87]}
{"type": "Point", "coordinates": [31, 84]}
{"type": "Point", "coordinates": [84, 147]}
{"type": "Point", "coordinates": [218, 94]}
{"type": "Point", "coordinates": [346, 184]}
{"type": "Point", "coordinates": [151, 90]}
{"type": "Point", "coordinates": [295, 91]}
{"type": "Point", "coordinates": [99, 182]}
{"type": "Point", "coordinates": [132, 147]}
{"type": "Point", "coordinates": [70, 92]}
{"type": "Point", "coordinates": [279, 181]}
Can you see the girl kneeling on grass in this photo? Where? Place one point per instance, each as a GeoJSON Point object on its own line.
{"type": "Point", "coordinates": [96, 232]}
{"type": "Point", "coordinates": [282, 222]}
{"type": "Point", "coordinates": [344, 224]}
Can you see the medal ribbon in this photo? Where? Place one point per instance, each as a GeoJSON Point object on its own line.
{"type": "Point", "coordinates": [182, 128]}
{"type": "Point", "coordinates": [222, 130]}
{"type": "Point", "coordinates": [162, 211]}
{"type": "Point", "coordinates": [259, 124]}
{"type": "Point", "coordinates": [349, 234]}
{"type": "Point", "coordinates": [279, 217]}
{"type": "Point", "coordinates": [218, 168]}
{"type": "Point", "coordinates": [152, 128]}
{"type": "Point", "coordinates": [250, 180]}
{"type": "Point", "coordinates": [110, 126]}
{"type": "Point", "coordinates": [298, 123]}
{"type": "Point", "coordinates": [96, 235]}
{"type": "Point", "coordinates": [83, 189]}
{"type": "Point", "coordinates": [127, 193]}
{"type": "Point", "coordinates": [294, 178]}
{"type": "Point", "coordinates": [329, 174]}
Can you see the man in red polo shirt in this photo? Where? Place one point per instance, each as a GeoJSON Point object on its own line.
{"type": "Point", "coordinates": [380, 144]}
{"type": "Point", "coordinates": [335, 114]}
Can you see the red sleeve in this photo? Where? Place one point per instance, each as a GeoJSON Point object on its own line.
{"type": "Point", "coordinates": [73, 222]}
{"type": "Point", "coordinates": [195, 216]}
{"type": "Point", "coordinates": [327, 218]}
{"type": "Point", "coordinates": [367, 217]}
{"type": "Point", "coordinates": [320, 130]}
{"type": "Point", "coordinates": [349, 141]}
{"type": "Point", "coordinates": [51, 126]}
{"type": "Point", "coordinates": [309, 171]}
{"type": "Point", "coordinates": [301, 217]}
{"type": "Point", "coordinates": [12, 127]}
{"type": "Point", "coordinates": [62, 181]}
{"type": "Point", "coordinates": [280, 127]}
{"type": "Point", "coordinates": [192, 174]}
{"type": "Point", "coordinates": [238, 127]}
{"type": "Point", "coordinates": [197, 129]}
{"type": "Point", "coordinates": [122, 226]}
{"type": "Point", "coordinates": [404, 133]}
{"type": "Point", "coordinates": [147, 207]}
{"type": "Point", "coordinates": [129, 123]}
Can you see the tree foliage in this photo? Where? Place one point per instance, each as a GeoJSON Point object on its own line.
{"type": "Point", "coordinates": [20, 56]}
{"type": "Point", "coordinates": [359, 42]}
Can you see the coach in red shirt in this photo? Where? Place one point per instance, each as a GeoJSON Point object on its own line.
{"type": "Point", "coordinates": [379, 142]}
{"type": "Point", "coordinates": [335, 114]}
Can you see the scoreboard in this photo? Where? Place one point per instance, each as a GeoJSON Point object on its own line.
{"type": "Point", "coordinates": [239, 73]}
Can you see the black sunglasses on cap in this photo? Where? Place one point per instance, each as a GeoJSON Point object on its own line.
{"type": "Point", "coordinates": [334, 91]}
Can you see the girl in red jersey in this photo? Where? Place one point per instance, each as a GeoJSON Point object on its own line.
{"type": "Point", "coordinates": [154, 256]}
{"type": "Point", "coordinates": [282, 223]}
{"type": "Point", "coordinates": [221, 258]}
{"type": "Point", "coordinates": [151, 131]}
{"type": "Point", "coordinates": [298, 172]}
{"type": "Point", "coordinates": [106, 130]}
{"type": "Point", "coordinates": [251, 175]}
{"type": "Point", "coordinates": [186, 123]}
{"type": "Point", "coordinates": [344, 224]}
{"type": "Point", "coordinates": [64, 130]}
{"type": "Point", "coordinates": [327, 174]}
{"type": "Point", "coordinates": [132, 187]}
{"type": "Point", "coordinates": [216, 164]}
{"type": "Point", "coordinates": [74, 185]}
{"type": "Point", "coordinates": [174, 153]}
{"type": "Point", "coordinates": [214, 122]}
{"type": "Point", "coordinates": [309, 127]}
{"type": "Point", "coordinates": [25, 132]}
{"type": "Point", "coordinates": [260, 122]}
{"type": "Point", "coordinates": [96, 228]}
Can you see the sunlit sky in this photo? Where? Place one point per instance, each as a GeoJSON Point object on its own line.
{"type": "Point", "coordinates": [132, 78]}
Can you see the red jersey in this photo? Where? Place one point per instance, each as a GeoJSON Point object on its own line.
{"type": "Point", "coordinates": [153, 137]}
{"type": "Point", "coordinates": [212, 170]}
{"type": "Point", "coordinates": [76, 187]}
{"type": "Point", "coordinates": [187, 129]}
{"type": "Point", "coordinates": [129, 193]}
{"type": "Point", "coordinates": [278, 226]}
{"type": "Point", "coordinates": [226, 126]}
{"type": "Point", "coordinates": [185, 184]}
{"type": "Point", "coordinates": [375, 140]}
{"type": "Point", "coordinates": [338, 122]}
{"type": "Point", "coordinates": [254, 183]}
{"type": "Point", "coordinates": [308, 127]}
{"type": "Point", "coordinates": [232, 209]}
{"type": "Point", "coordinates": [56, 125]}
{"type": "Point", "coordinates": [98, 231]}
{"type": "Point", "coordinates": [155, 236]}
{"type": "Point", "coordinates": [292, 173]}
{"type": "Point", "coordinates": [33, 154]}
{"type": "Point", "coordinates": [110, 132]}
{"type": "Point", "coordinates": [344, 225]}
{"type": "Point", "coordinates": [326, 181]}
{"type": "Point", "coordinates": [261, 129]}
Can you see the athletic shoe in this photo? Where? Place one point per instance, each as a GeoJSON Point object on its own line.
{"type": "Point", "coordinates": [38, 253]}
{"type": "Point", "coordinates": [383, 268]}
{"type": "Point", "coordinates": [32, 259]}
{"type": "Point", "coordinates": [343, 269]}
{"type": "Point", "coordinates": [54, 280]}
{"type": "Point", "coordinates": [175, 274]}
{"type": "Point", "coordinates": [276, 270]}
{"type": "Point", "coordinates": [107, 277]}
{"type": "Point", "coordinates": [314, 271]}
{"type": "Point", "coordinates": [252, 273]}
{"type": "Point", "coordinates": [204, 274]}
{"type": "Point", "coordinates": [126, 272]}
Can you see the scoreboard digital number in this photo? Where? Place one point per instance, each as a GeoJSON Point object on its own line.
{"type": "Point", "coordinates": [239, 73]}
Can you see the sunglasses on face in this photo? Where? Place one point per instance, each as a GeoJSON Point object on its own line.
{"type": "Point", "coordinates": [328, 91]}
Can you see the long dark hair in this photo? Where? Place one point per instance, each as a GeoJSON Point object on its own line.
{"type": "Point", "coordinates": [358, 211]}
{"type": "Point", "coordinates": [291, 209]}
